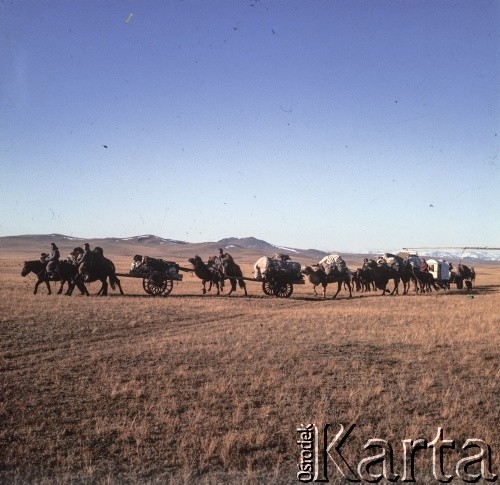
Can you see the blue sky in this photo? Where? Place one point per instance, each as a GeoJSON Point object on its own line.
{"type": "Point", "coordinates": [314, 124]}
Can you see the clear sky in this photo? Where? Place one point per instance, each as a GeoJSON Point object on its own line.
{"type": "Point", "coordinates": [314, 124]}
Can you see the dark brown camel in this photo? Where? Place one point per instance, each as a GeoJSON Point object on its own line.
{"type": "Point", "coordinates": [208, 273]}
{"type": "Point", "coordinates": [100, 269]}
{"type": "Point", "coordinates": [381, 274]}
{"type": "Point", "coordinates": [232, 271]}
{"type": "Point", "coordinates": [426, 280]}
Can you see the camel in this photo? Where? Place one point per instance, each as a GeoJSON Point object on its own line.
{"type": "Point", "coordinates": [208, 273]}
{"type": "Point", "coordinates": [320, 277]}
{"type": "Point", "coordinates": [232, 271]}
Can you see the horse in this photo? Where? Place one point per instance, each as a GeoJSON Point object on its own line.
{"type": "Point", "coordinates": [208, 273]}
{"type": "Point", "coordinates": [66, 274]}
{"type": "Point", "coordinates": [99, 269]}
{"type": "Point", "coordinates": [233, 272]}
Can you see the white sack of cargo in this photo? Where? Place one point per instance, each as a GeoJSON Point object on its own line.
{"type": "Point", "coordinates": [332, 259]}
{"type": "Point", "coordinates": [267, 265]}
{"type": "Point", "coordinates": [391, 260]}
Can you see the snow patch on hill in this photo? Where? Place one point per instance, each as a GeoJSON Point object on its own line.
{"type": "Point", "coordinates": [290, 250]}
{"type": "Point", "coordinates": [451, 255]}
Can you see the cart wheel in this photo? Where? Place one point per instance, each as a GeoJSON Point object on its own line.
{"type": "Point", "coordinates": [158, 284]}
{"type": "Point", "coordinates": [268, 288]}
{"type": "Point", "coordinates": [283, 290]}
{"type": "Point", "coordinates": [169, 284]}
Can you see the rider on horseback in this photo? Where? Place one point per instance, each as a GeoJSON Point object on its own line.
{"type": "Point", "coordinates": [52, 261]}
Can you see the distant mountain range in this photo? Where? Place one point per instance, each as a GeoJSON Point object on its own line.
{"type": "Point", "coordinates": [152, 243]}
{"type": "Point", "coordinates": [40, 241]}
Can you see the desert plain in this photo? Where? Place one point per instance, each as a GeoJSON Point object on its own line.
{"type": "Point", "coordinates": [194, 388]}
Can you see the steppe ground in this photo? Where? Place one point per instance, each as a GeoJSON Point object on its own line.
{"type": "Point", "coordinates": [193, 388]}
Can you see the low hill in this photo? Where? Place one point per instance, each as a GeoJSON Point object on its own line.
{"type": "Point", "coordinates": [246, 249]}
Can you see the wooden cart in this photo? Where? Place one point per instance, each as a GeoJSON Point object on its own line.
{"type": "Point", "coordinates": [157, 281]}
{"type": "Point", "coordinates": [279, 284]}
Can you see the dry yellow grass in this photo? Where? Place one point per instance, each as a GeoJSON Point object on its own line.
{"type": "Point", "coordinates": [204, 389]}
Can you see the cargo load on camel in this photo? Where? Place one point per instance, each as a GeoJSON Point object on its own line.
{"type": "Point", "coordinates": [333, 263]}
{"type": "Point", "coordinates": [391, 260]}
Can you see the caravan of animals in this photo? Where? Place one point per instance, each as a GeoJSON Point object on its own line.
{"type": "Point", "coordinates": [277, 274]}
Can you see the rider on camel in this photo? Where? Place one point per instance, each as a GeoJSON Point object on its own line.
{"type": "Point", "coordinates": [84, 261]}
{"type": "Point", "coordinates": [224, 256]}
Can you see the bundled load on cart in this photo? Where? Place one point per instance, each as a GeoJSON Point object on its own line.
{"type": "Point", "coordinates": [146, 265]}
{"type": "Point", "coordinates": [157, 274]}
{"type": "Point", "coordinates": [278, 264]}
{"type": "Point", "coordinates": [278, 274]}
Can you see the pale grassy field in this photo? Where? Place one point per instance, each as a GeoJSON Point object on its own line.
{"type": "Point", "coordinates": [205, 389]}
